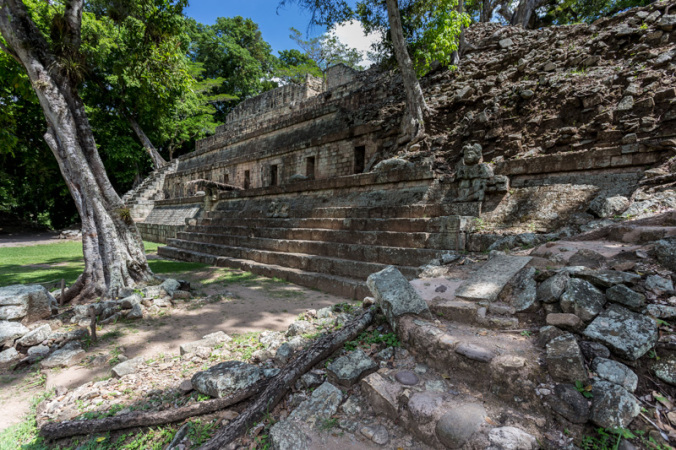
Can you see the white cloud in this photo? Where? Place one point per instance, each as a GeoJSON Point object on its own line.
{"type": "Point", "coordinates": [352, 34]}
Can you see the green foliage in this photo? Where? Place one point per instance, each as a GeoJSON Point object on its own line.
{"type": "Point", "coordinates": [565, 12]}
{"type": "Point", "coordinates": [200, 431]}
{"type": "Point", "coordinates": [583, 389]}
{"type": "Point", "coordinates": [367, 338]}
{"type": "Point", "coordinates": [318, 54]}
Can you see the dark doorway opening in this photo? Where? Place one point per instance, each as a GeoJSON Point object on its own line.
{"type": "Point", "coordinates": [359, 158]}
{"type": "Point", "coordinates": [247, 179]}
{"type": "Point", "coordinates": [274, 175]}
{"type": "Point", "coordinates": [310, 167]}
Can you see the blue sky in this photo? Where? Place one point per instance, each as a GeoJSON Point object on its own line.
{"type": "Point", "coordinates": [274, 23]}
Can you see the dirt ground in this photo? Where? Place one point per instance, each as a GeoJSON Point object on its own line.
{"type": "Point", "coordinates": [253, 305]}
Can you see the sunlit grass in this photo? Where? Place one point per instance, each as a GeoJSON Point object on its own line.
{"type": "Point", "coordinates": [63, 260]}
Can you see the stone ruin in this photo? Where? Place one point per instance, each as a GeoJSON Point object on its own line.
{"type": "Point", "coordinates": [309, 183]}
{"type": "Point", "coordinates": [539, 136]}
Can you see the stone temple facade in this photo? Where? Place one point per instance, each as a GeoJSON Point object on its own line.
{"type": "Point", "coordinates": [312, 183]}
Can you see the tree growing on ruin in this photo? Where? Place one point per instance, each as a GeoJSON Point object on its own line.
{"type": "Point", "coordinates": [438, 27]}
{"type": "Point", "coordinates": [55, 63]}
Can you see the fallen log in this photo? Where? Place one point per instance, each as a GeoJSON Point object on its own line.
{"type": "Point", "coordinates": [59, 430]}
{"type": "Point", "coordinates": [279, 385]}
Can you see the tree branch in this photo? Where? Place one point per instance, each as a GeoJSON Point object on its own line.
{"type": "Point", "coordinates": [9, 51]}
{"type": "Point", "coordinates": [73, 17]}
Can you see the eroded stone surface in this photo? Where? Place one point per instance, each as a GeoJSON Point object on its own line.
{"type": "Point", "coordinates": [612, 405]}
{"type": "Point", "coordinates": [29, 302]}
{"type": "Point", "coordinates": [226, 378]}
{"type": "Point", "coordinates": [66, 356]}
{"type": "Point", "coordinates": [628, 334]}
{"type": "Point", "coordinates": [487, 282]}
{"type": "Point", "coordinates": [615, 372]}
{"type": "Point", "coordinates": [395, 295]}
{"type": "Point", "coordinates": [511, 438]}
{"type": "Point", "coordinates": [287, 435]}
{"type": "Point", "coordinates": [348, 369]}
{"type": "Point", "coordinates": [36, 336]}
{"type": "Point", "coordinates": [323, 403]}
{"type": "Point", "coordinates": [382, 394]}
{"type": "Point", "coordinates": [564, 359]}
{"type": "Point", "coordinates": [458, 425]}
{"type": "Point", "coordinates": [582, 299]}
{"type": "Point", "coordinates": [209, 341]}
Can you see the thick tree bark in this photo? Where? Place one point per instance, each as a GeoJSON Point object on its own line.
{"type": "Point", "coordinates": [414, 120]}
{"type": "Point", "coordinates": [279, 385]}
{"type": "Point", "coordinates": [113, 250]}
{"type": "Point", "coordinates": [60, 430]}
{"type": "Point", "coordinates": [155, 156]}
{"type": "Point", "coordinates": [524, 12]}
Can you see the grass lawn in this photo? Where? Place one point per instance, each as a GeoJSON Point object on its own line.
{"type": "Point", "coordinates": [52, 262]}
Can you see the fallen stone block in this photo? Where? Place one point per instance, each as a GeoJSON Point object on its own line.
{"type": "Point", "coordinates": [348, 369]}
{"type": "Point", "coordinates": [322, 404]}
{"type": "Point", "coordinates": [564, 359]}
{"type": "Point", "coordinates": [628, 334]}
{"type": "Point", "coordinates": [383, 395]}
{"type": "Point", "coordinates": [68, 355]}
{"type": "Point", "coordinates": [26, 302]}
{"type": "Point", "coordinates": [127, 367]}
{"type": "Point", "coordinates": [395, 295]}
{"type": "Point", "coordinates": [487, 282]}
{"type": "Point", "coordinates": [612, 405]}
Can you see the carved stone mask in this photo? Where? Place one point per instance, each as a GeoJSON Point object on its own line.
{"type": "Point", "coordinates": [472, 154]}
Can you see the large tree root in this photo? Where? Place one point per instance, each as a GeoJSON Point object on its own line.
{"type": "Point", "coordinates": [282, 382]}
{"type": "Point", "coordinates": [59, 430]}
{"type": "Point", "coordinates": [273, 391]}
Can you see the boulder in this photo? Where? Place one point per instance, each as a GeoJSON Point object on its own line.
{"type": "Point", "coordinates": [522, 291]}
{"type": "Point", "coordinates": [25, 302]}
{"type": "Point", "coordinates": [129, 302]}
{"type": "Point", "coordinates": [564, 359]}
{"type": "Point", "coordinates": [38, 352]}
{"type": "Point", "coordinates": [9, 331]}
{"type": "Point", "coordinates": [226, 378]}
{"type": "Point", "coordinates": [210, 341]}
{"type": "Point", "coordinates": [665, 252]}
{"type": "Point", "coordinates": [604, 207]}
{"type": "Point", "coordinates": [612, 405]}
{"type": "Point", "coordinates": [348, 369]}
{"type": "Point", "coordinates": [568, 402]}
{"type": "Point", "coordinates": [615, 372]}
{"type": "Point", "coordinates": [395, 295]}
{"type": "Point", "coordinates": [322, 404]}
{"type": "Point", "coordinates": [284, 353]}
{"type": "Point", "coordinates": [127, 367]}
{"type": "Point", "coordinates": [511, 438]}
{"type": "Point", "coordinates": [300, 327]}
{"type": "Point", "coordinates": [582, 299]}
{"type": "Point", "coordinates": [628, 334]}
{"type": "Point", "coordinates": [551, 289]}
{"type": "Point", "coordinates": [9, 357]}
{"type": "Point", "coordinates": [287, 435]}
{"type": "Point", "coordinates": [457, 426]}
{"type": "Point", "coordinates": [665, 369]}
{"type": "Point", "coordinates": [136, 312]}
{"type": "Point", "coordinates": [382, 395]}
{"type": "Point", "coordinates": [66, 356]}
{"type": "Point", "coordinates": [624, 296]}
{"type": "Point", "coordinates": [169, 286]}
{"type": "Point", "coordinates": [35, 337]}
{"type": "Point", "coordinates": [658, 284]}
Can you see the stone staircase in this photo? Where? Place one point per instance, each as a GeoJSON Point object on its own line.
{"type": "Point", "coordinates": [140, 200]}
{"type": "Point", "coordinates": [329, 236]}
{"type": "Point", "coordinates": [331, 249]}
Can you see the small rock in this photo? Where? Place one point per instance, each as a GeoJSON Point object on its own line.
{"type": "Point", "coordinates": [626, 104]}
{"type": "Point", "coordinates": [665, 252]}
{"type": "Point", "coordinates": [505, 43]}
{"type": "Point", "coordinates": [582, 299]}
{"type": "Point", "coordinates": [38, 352]}
{"type": "Point", "coordinates": [658, 284]}
{"type": "Point", "coordinates": [9, 357]}
{"type": "Point", "coordinates": [661, 311]}
{"type": "Point", "coordinates": [406, 377]}
{"type": "Point", "coordinates": [474, 352]}
{"type": "Point", "coordinates": [66, 356]}
{"type": "Point", "coordinates": [9, 331]}
{"type": "Point", "coordinates": [226, 378]}
{"type": "Point", "coordinates": [551, 289]}
{"type": "Point", "coordinates": [511, 438]}
{"type": "Point", "coordinates": [322, 404]}
{"type": "Point", "coordinates": [458, 425]}
{"type": "Point", "coordinates": [286, 435]}
{"type": "Point", "coordinates": [377, 434]}
{"type": "Point", "coordinates": [163, 302]}
{"type": "Point", "coordinates": [564, 320]}
{"type": "Point", "coordinates": [309, 380]}
{"type": "Point", "coordinates": [185, 387]}
{"type": "Point", "coordinates": [564, 359]}
{"type": "Point", "coordinates": [623, 295]}
{"type": "Point", "coordinates": [612, 405]}
{"type": "Point", "coordinates": [169, 286]}
{"type": "Point", "coordinates": [210, 340]}
{"type": "Point", "coordinates": [300, 327]}
{"type": "Point", "coordinates": [615, 372]}
{"type": "Point", "coordinates": [665, 369]}
{"type": "Point", "coordinates": [546, 334]}
{"type": "Point", "coordinates": [593, 350]}
{"type": "Point", "coordinates": [609, 206]}
{"type": "Point", "coordinates": [382, 395]}
{"type": "Point", "coordinates": [284, 353]}
{"type": "Point", "coordinates": [35, 337]}
{"type": "Point", "coordinates": [130, 301]}
{"type": "Point", "coordinates": [569, 403]}
{"type": "Point", "coordinates": [127, 367]}
{"type": "Point", "coordinates": [348, 369]}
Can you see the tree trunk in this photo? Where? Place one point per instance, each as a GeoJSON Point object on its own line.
{"type": "Point", "coordinates": [279, 385]}
{"type": "Point", "coordinates": [113, 250]}
{"type": "Point", "coordinates": [524, 12]}
{"type": "Point", "coordinates": [414, 122]}
{"type": "Point", "coordinates": [155, 156]}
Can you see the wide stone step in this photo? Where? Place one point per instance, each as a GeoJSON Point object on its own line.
{"type": "Point", "coordinates": [402, 225]}
{"type": "Point", "coordinates": [486, 283]}
{"type": "Point", "coordinates": [436, 241]}
{"type": "Point", "coordinates": [238, 209]}
{"type": "Point", "coordinates": [307, 262]}
{"type": "Point", "coordinates": [359, 252]}
{"type": "Point", "coordinates": [332, 284]}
